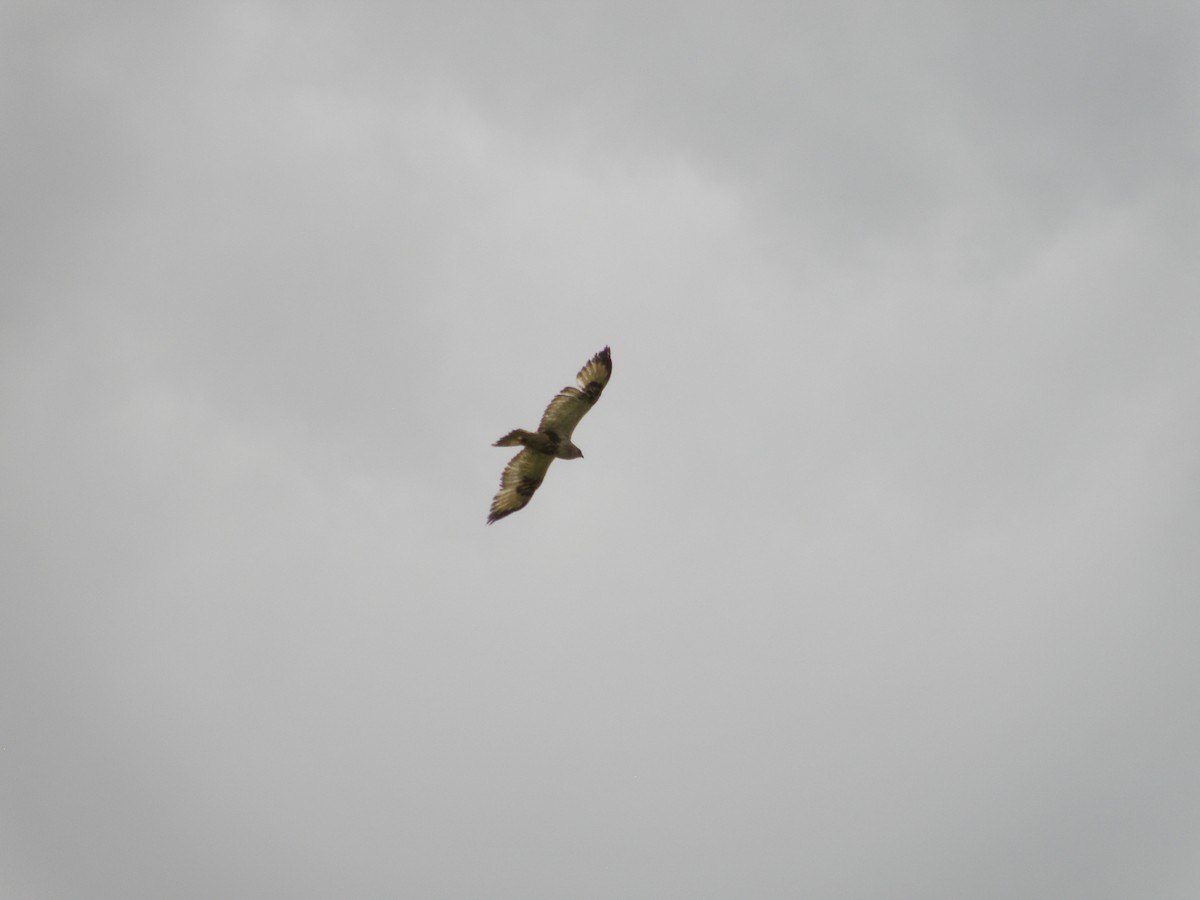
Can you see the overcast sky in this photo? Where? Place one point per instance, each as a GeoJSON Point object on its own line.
{"type": "Point", "coordinates": [879, 579]}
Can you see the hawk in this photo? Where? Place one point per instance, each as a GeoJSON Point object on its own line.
{"type": "Point", "coordinates": [552, 440]}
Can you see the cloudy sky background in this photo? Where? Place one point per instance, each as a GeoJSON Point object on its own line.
{"type": "Point", "coordinates": [880, 576]}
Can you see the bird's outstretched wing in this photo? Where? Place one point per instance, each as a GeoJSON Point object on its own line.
{"type": "Point", "coordinates": [521, 477]}
{"type": "Point", "coordinates": [572, 403]}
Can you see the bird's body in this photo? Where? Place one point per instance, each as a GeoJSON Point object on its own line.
{"type": "Point", "coordinates": [525, 471]}
{"type": "Point", "coordinates": [548, 442]}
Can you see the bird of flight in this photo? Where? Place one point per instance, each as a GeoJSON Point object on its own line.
{"type": "Point", "coordinates": [551, 441]}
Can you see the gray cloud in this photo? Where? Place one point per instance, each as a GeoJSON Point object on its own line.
{"type": "Point", "coordinates": [878, 576]}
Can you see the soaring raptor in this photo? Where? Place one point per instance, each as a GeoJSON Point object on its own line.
{"type": "Point", "coordinates": [551, 441]}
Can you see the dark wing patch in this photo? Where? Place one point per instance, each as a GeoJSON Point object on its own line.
{"type": "Point", "coordinates": [522, 476]}
{"type": "Point", "coordinates": [572, 403]}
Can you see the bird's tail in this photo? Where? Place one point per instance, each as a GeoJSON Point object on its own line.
{"type": "Point", "coordinates": [518, 436]}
